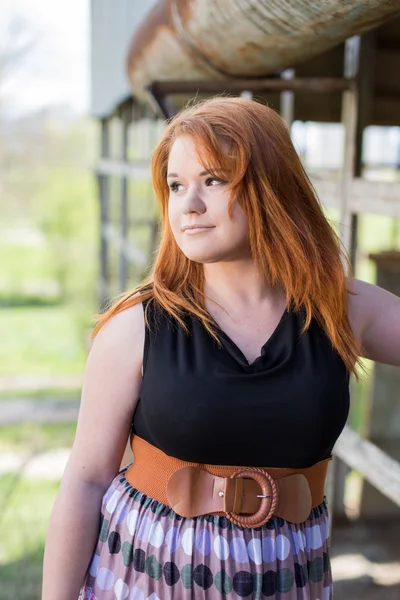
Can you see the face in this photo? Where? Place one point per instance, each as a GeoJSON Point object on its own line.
{"type": "Point", "coordinates": [198, 210]}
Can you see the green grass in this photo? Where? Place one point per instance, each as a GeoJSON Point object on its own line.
{"type": "Point", "coordinates": [36, 437]}
{"type": "Point", "coordinates": [22, 579]}
{"type": "Point", "coordinates": [44, 340]}
{"type": "Point", "coordinates": [44, 326]}
{"type": "Point", "coordinates": [25, 510]}
{"type": "Point", "coordinates": [21, 262]}
{"type": "Point", "coordinates": [41, 394]}
{"type": "Point", "coordinates": [47, 299]}
{"type": "Point", "coordinates": [25, 506]}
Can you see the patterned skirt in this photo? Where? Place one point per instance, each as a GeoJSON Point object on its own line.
{"type": "Point", "coordinates": [145, 551]}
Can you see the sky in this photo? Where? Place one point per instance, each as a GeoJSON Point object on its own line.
{"type": "Point", "coordinates": [55, 69]}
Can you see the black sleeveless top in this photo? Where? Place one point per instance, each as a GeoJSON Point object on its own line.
{"type": "Point", "coordinates": [205, 403]}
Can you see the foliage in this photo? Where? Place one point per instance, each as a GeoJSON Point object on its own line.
{"type": "Point", "coordinates": [65, 213]}
{"type": "Point", "coordinates": [48, 247]}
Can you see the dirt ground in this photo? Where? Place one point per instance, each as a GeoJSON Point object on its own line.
{"type": "Point", "coordinates": [366, 561]}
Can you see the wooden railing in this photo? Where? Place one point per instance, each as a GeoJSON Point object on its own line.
{"type": "Point", "coordinates": [379, 469]}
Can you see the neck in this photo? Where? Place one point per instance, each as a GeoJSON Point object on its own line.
{"type": "Point", "coordinates": [237, 283]}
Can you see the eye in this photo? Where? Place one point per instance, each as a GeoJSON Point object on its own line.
{"type": "Point", "coordinates": [174, 186]}
{"type": "Point", "coordinates": [211, 181]}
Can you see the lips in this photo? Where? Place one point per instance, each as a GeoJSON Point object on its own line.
{"type": "Point", "coordinates": [192, 227]}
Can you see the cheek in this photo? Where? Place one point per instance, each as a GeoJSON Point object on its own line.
{"type": "Point", "coordinates": [173, 216]}
{"type": "Point", "coordinates": [239, 219]}
{"type": "Point", "coordinates": [174, 219]}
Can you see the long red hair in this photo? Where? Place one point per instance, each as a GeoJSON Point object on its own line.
{"type": "Point", "coordinates": [248, 144]}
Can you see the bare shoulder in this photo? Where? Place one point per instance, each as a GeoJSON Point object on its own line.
{"type": "Point", "coordinates": [363, 299]}
{"type": "Point", "coordinates": [125, 330]}
{"type": "Point", "coordinates": [374, 316]}
{"type": "Point", "coordinates": [116, 357]}
{"type": "Point", "coordinates": [110, 392]}
{"type": "Point", "coordinates": [355, 295]}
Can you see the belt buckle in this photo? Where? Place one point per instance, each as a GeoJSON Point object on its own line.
{"type": "Point", "coordinates": [269, 498]}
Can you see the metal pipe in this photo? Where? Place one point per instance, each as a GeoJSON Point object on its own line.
{"type": "Point", "coordinates": [220, 39]}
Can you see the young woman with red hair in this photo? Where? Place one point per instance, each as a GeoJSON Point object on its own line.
{"type": "Point", "coordinates": [229, 367]}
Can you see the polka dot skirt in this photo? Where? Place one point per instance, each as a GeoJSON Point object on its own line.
{"type": "Point", "coordinates": [145, 551]}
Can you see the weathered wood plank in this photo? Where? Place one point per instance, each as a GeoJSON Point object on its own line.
{"type": "Point", "coordinates": [378, 468]}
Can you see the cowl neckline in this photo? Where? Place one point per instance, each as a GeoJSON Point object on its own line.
{"type": "Point", "coordinates": [273, 351]}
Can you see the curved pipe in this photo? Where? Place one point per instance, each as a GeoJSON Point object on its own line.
{"type": "Point", "coordinates": [215, 39]}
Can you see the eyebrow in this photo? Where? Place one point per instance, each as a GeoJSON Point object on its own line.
{"type": "Point", "coordinates": [202, 174]}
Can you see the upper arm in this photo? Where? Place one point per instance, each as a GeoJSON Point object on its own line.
{"type": "Point", "coordinates": [110, 392]}
{"type": "Point", "coordinates": [374, 316]}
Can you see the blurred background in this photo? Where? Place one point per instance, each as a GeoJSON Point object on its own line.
{"type": "Point", "coordinates": [85, 88]}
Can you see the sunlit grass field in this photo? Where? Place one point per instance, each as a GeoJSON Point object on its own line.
{"type": "Point", "coordinates": [47, 301]}
{"type": "Point", "coordinates": [36, 438]}
{"type": "Point", "coordinates": [43, 340]}
{"type": "Point", "coordinates": [43, 333]}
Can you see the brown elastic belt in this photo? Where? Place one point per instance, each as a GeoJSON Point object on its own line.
{"type": "Point", "coordinates": [247, 496]}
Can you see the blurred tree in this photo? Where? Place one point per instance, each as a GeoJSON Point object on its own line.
{"type": "Point", "coordinates": [17, 40]}
{"type": "Point", "coordinates": [64, 209]}
{"type": "Point", "coordinates": [45, 159]}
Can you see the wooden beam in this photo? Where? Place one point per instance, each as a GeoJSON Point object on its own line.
{"type": "Point", "coordinates": [382, 471]}
{"type": "Point", "coordinates": [297, 84]}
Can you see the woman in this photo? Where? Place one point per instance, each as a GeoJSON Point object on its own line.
{"type": "Point", "coordinates": [236, 354]}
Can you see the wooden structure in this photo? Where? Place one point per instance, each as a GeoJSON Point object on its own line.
{"type": "Point", "coordinates": [352, 83]}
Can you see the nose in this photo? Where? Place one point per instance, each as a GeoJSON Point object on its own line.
{"type": "Point", "coordinates": [193, 202]}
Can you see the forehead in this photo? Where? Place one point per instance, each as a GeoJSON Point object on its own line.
{"type": "Point", "coordinates": [183, 150]}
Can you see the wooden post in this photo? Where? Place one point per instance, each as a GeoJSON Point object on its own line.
{"type": "Point", "coordinates": [287, 99]}
{"type": "Point", "coordinates": [338, 470]}
{"type": "Point", "coordinates": [103, 186]}
{"type": "Point", "coordinates": [349, 120]}
{"type": "Point", "coordinates": [365, 83]}
{"type": "Point", "coordinates": [123, 263]}
{"type": "Point", "coordinates": [359, 64]}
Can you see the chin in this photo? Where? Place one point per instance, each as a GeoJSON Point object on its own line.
{"type": "Point", "coordinates": [201, 258]}
{"type": "Point", "coordinates": [213, 253]}
{"type": "Point", "coordinates": [206, 257]}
